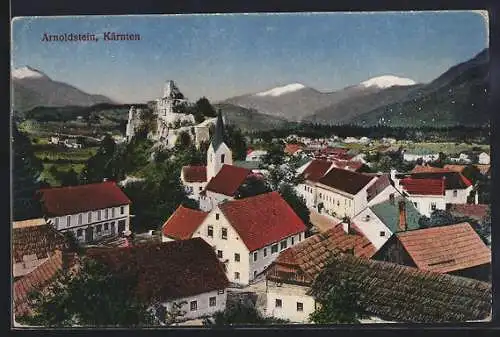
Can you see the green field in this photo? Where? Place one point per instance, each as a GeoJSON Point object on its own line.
{"type": "Point", "coordinates": [54, 153]}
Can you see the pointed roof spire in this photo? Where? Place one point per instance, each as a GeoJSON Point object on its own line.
{"type": "Point", "coordinates": [218, 137]}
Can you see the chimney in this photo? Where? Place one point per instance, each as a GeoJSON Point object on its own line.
{"type": "Point", "coordinates": [346, 225]}
{"type": "Point", "coordinates": [402, 216]}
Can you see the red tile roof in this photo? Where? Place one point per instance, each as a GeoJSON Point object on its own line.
{"type": "Point", "coordinates": [316, 169]}
{"type": "Point", "coordinates": [423, 186]}
{"type": "Point", "coordinates": [453, 180]}
{"type": "Point", "coordinates": [169, 270]}
{"type": "Point", "coordinates": [344, 180]}
{"type": "Point", "coordinates": [474, 211]}
{"type": "Point", "coordinates": [195, 174]}
{"type": "Point", "coordinates": [83, 198]}
{"type": "Point", "coordinates": [262, 220]}
{"type": "Point", "coordinates": [36, 280]}
{"type": "Point", "coordinates": [427, 168]}
{"type": "Point", "coordinates": [228, 180]}
{"type": "Point", "coordinates": [41, 241]}
{"type": "Point", "coordinates": [306, 259]}
{"type": "Point", "coordinates": [183, 222]}
{"type": "Point", "coordinates": [292, 148]}
{"type": "Point", "coordinates": [446, 248]}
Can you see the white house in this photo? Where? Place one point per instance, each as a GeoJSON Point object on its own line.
{"type": "Point", "coordinates": [247, 234]}
{"type": "Point", "coordinates": [311, 173]}
{"type": "Point", "coordinates": [181, 276]}
{"type": "Point", "coordinates": [194, 179]}
{"type": "Point", "coordinates": [289, 278]}
{"type": "Point", "coordinates": [90, 211]}
{"type": "Point", "coordinates": [54, 140]}
{"type": "Point", "coordinates": [255, 155]}
{"type": "Point", "coordinates": [484, 158]}
{"type": "Point", "coordinates": [425, 157]}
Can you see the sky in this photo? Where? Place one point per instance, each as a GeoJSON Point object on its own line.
{"type": "Point", "coordinates": [220, 56]}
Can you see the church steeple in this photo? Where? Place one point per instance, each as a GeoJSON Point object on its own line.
{"type": "Point", "coordinates": [218, 153]}
{"type": "Point", "coordinates": [218, 137]}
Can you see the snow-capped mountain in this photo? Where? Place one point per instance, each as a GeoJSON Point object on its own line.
{"type": "Point", "coordinates": [278, 91]}
{"type": "Point", "coordinates": [27, 72]}
{"type": "Point", "coordinates": [387, 81]}
{"type": "Point", "coordinates": [32, 88]}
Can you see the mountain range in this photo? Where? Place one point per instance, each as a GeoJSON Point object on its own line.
{"type": "Point", "coordinates": [32, 88]}
{"type": "Point", "coordinates": [458, 96]}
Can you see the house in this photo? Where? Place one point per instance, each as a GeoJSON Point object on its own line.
{"type": "Point", "coordinates": [462, 158]}
{"type": "Point", "coordinates": [89, 211]}
{"type": "Point", "coordinates": [182, 274]}
{"type": "Point", "coordinates": [254, 166]}
{"type": "Point", "coordinates": [454, 249]}
{"type": "Point", "coordinates": [457, 187]}
{"type": "Point", "coordinates": [350, 140]}
{"type": "Point", "coordinates": [289, 299]}
{"type": "Point", "coordinates": [247, 234]}
{"type": "Point", "coordinates": [194, 179]}
{"type": "Point", "coordinates": [343, 193]}
{"type": "Point", "coordinates": [54, 140]}
{"type": "Point", "coordinates": [311, 174]}
{"type": "Point", "coordinates": [380, 221]}
{"type": "Point", "coordinates": [72, 144]}
{"type": "Point", "coordinates": [478, 212]}
{"type": "Point", "coordinates": [293, 149]}
{"type": "Point", "coordinates": [255, 155]}
{"type": "Point", "coordinates": [33, 243]}
{"type": "Point", "coordinates": [38, 280]}
{"type": "Point", "coordinates": [425, 157]}
{"type": "Point", "coordinates": [484, 158]}
{"type": "Point", "coordinates": [397, 293]}
{"type": "Point", "coordinates": [389, 292]}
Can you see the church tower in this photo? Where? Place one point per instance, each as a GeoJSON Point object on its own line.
{"type": "Point", "coordinates": [218, 152]}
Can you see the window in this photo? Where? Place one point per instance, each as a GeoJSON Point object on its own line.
{"type": "Point", "coordinates": [382, 233]}
{"type": "Point", "coordinates": [113, 212]}
{"type": "Point", "coordinates": [68, 220]}
{"type": "Point", "coordinates": [106, 213]}
{"type": "Point", "coordinates": [305, 188]}
{"type": "Point", "coordinates": [300, 306]}
{"type": "Point", "coordinates": [300, 237]}
{"type": "Point", "coordinates": [274, 249]}
{"type": "Point", "coordinates": [210, 231]}
{"type": "Point", "coordinates": [216, 216]}
{"type": "Point", "coordinates": [255, 256]}
{"type": "Point", "coordinates": [220, 292]}
{"type": "Point", "coordinates": [283, 245]}
{"type": "Point", "coordinates": [98, 215]}
{"type": "Point", "coordinates": [265, 252]}
{"type": "Point", "coordinates": [200, 188]}
{"type": "Point", "coordinates": [293, 240]}
{"type": "Point", "coordinates": [338, 203]}
{"type": "Point", "coordinates": [99, 228]}
{"type": "Point", "coordinates": [79, 232]}
{"type": "Point", "coordinates": [222, 157]}
{"type": "Point", "coordinates": [455, 193]}
{"type": "Point", "coordinates": [89, 217]}
{"type": "Point", "coordinates": [278, 303]}
{"type": "Point", "coordinates": [193, 305]}
{"type": "Point", "coordinates": [255, 274]}
{"type": "Point", "coordinates": [236, 257]}
{"type": "Point", "coordinates": [122, 209]}
{"type": "Point", "coordinates": [224, 233]}
{"type": "Point", "coordinates": [80, 216]}
{"type": "Point", "coordinates": [106, 226]}
{"type": "Point", "coordinates": [113, 227]}
{"type": "Point", "coordinates": [219, 254]}
{"type": "Point", "coordinates": [320, 196]}
{"type": "Point", "coordinates": [433, 206]}
{"type": "Point", "coordinates": [212, 301]}
{"type": "Point", "coordinates": [236, 276]}
{"type": "Point", "coordinates": [416, 204]}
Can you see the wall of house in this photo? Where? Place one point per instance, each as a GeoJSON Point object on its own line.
{"type": "Point", "coordinates": [309, 192]}
{"type": "Point", "coordinates": [484, 159]}
{"type": "Point", "coordinates": [289, 295]}
{"type": "Point", "coordinates": [265, 256]}
{"type": "Point", "coordinates": [229, 247]}
{"type": "Point", "coordinates": [211, 200]}
{"type": "Point", "coordinates": [372, 227]}
{"type": "Point", "coordinates": [384, 195]}
{"type": "Point", "coordinates": [425, 157]}
{"type": "Point", "coordinates": [194, 189]}
{"type": "Point", "coordinates": [80, 222]}
{"type": "Point", "coordinates": [336, 203]}
{"type": "Point", "coordinates": [460, 198]}
{"type": "Point", "coordinates": [424, 203]}
{"type": "Point", "coordinates": [203, 307]}
{"type": "Point", "coordinates": [393, 251]}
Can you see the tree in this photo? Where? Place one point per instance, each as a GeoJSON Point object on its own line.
{"type": "Point", "coordinates": [275, 154]}
{"type": "Point", "coordinates": [26, 172]}
{"type": "Point", "coordinates": [438, 218]}
{"type": "Point", "coordinates": [68, 178]}
{"type": "Point", "coordinates": [240, 313]}
{"type": "Point", "coordinates": [252, 186]}
{"type": "Point", "coordinates": [203, 107]}
{"type": "Point", "coordinates": [296, 202]}
{"type": "Point", "coordinates": [93, 296]}
{"type": "Point", "coordinates": [342, 304]}
{"type": "Point", "coordinates": [236, 142]}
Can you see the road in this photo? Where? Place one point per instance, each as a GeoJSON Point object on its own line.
{"type": "Point", "coordinates": [322, 222]}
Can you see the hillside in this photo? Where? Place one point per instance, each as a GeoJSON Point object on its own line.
{"type": "Point", "coordinates": [249, 120]}
{"type": "Point", "coordinates": [457, 97]}
{"type": "Point", "coordinates": [32, 88]}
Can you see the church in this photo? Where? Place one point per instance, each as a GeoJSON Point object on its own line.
{"type": "Point", "coordinates": [219, 180]}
